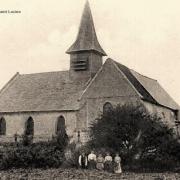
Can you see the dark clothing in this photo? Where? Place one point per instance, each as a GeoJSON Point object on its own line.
{"type": "Point", "coordinates": [108, 166]}
{"type": "Point", "coordinates": [91, 164]}
{"type": "Point", "coordinates": [83, 161]}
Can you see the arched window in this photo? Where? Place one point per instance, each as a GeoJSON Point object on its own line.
{"type": "Point", "coordinates": [107, 107]}
{"type": "Point", "coordinates": [60, 124]}
{"type": "Point", "coordinates": [2, 126]}
{"type": "Point", "coordinates": [29, 129]}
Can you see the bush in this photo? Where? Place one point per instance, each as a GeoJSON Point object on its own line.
{"type": "Point", "coordinates": [27, 139]}
{"type": "Point", "coordinates": [28, 154]}
{"type": "Point", "coordinates": [71, 156]}
{"type": "Point", "coordinates": [41, 155]}
{"type": "Point", "coordinates": [61, 140]}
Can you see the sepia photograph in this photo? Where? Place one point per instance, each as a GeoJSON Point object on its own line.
{"type": "Point", "coordinates": [89, 90]}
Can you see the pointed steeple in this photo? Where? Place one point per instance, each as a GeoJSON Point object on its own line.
{"type": "Point", "coordinates": [87, 38]}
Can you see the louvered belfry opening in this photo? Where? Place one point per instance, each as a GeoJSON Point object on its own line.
{"type": "Point", "coordinates": [80, 64]}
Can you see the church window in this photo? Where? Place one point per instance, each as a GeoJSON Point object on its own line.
{"type": "Point", "coordinates": [29, 129]}
{"type": "Point", "coordinates": [107, 107]}
{"type": "Point", "coordinates": [2, 126]}
{"type": "Point", "coordinates": [60, 125]}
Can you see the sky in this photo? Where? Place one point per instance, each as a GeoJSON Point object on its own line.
{"type": "Point", "coordinates": [143, 35]}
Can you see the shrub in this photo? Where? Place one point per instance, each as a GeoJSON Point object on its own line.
{"type": "Point", "coordinates": [29, 154]}
{"type": "Point", "coordinates": [41, 155]}
{"type": "Point", "coordinates": [71, 156]}
{"type": "Point", "coordinates": [61, 139]}
{"type": "Point", "coordinates": [27, 139]}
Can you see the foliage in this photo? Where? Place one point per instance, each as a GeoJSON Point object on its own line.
{"type": "Point", "coordinates": [27, 139]}
{"type": "Point", "coordinates": [71, 156]}
{"type": "Point", "coordinates": [61, 139]}
{"type": "Point", "coordinates": [28, 154]}
{"type": "Point", "coordinates": [37, 155]}
{"type": "Point", "coordinates": [136, 134]}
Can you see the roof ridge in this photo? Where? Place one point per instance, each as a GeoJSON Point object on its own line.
{"type": "Point", "coordinates": [134, 70]}
{"type": "Point", "coordinates": [135, 82]}
{"type": "Point", "coordinates": [116, 65]}
{"type": "Point", "coordinates": [143, 75]}
{"type": "Point", "coordinates": [45, 72]}
{"type": "Point", "coordinates": [9, 83]}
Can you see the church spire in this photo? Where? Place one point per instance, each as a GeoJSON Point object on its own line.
{"type": "Point", "coordinates": [87, 38]}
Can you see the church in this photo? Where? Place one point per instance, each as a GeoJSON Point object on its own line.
{"type": "Point", "coordinates": [42, 103]}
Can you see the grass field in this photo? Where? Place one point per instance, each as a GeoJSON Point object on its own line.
{"type": "Point", "coordinates": [74, 174]}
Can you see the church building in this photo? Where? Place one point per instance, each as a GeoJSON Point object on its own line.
{"type": "Point", "coordinates": [40, 104]}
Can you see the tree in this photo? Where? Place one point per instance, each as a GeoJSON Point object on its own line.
{"type": "Point", "coordinates": [134, 132]}
{"type": "Point", "coordinates": [61, 138]}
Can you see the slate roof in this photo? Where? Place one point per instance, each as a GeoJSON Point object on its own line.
{"type": "Point", "coordinates": [87, 38]}
{"type": "Point", "coordinates": [156, 91]}
{"type": "Point", "coordinates": [148, 88]}
{"type": "Point", "coordinates": [41, 92]}
{"type": "Point", "coordinates": [54, 91]}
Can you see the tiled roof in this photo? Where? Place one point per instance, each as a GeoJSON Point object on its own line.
{"type": "Point", "coordinates": [148, 88]}
{"type": "Point", "coordinates": [156, 91]}
{"type": "Point", "coordinates": [54, 91]}
{"type": "Point", "coordinates": [41, 92]}
{"type": "Point", "coordinates": [87, 38]}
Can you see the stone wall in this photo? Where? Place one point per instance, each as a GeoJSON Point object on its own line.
{"type": "Point", "coordinates": [95, 106]}
{"type": "Point", "coordinates": [168, 116]}
{"type": "Point", "coordinates": [108, 86]}
{"type": "Point", "coordinates": [110, 82]}
{"type": "Point", "coordinates": [44, 123]}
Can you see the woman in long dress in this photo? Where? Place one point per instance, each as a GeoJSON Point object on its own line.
{"type": "Point", "coordinates": [117, 161]}
{"type": "Point", "coordinates": [100, 162]}
{"type": "Point", "coordinates": [108, 163]}
{"type": "Point", "coordinates": [92, 160]}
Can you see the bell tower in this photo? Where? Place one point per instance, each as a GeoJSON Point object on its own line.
{"type": "Point", "coordinates": [86, 53]}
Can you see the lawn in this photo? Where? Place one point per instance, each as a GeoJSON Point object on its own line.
{"type": "Point", "coordinates": [74, 174]}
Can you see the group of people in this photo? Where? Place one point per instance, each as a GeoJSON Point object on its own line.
{"type": "Point", "coordinates": [99, 162]}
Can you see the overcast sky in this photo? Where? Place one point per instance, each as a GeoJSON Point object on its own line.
{"type": "Point", "coordinates": [141, 34]}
